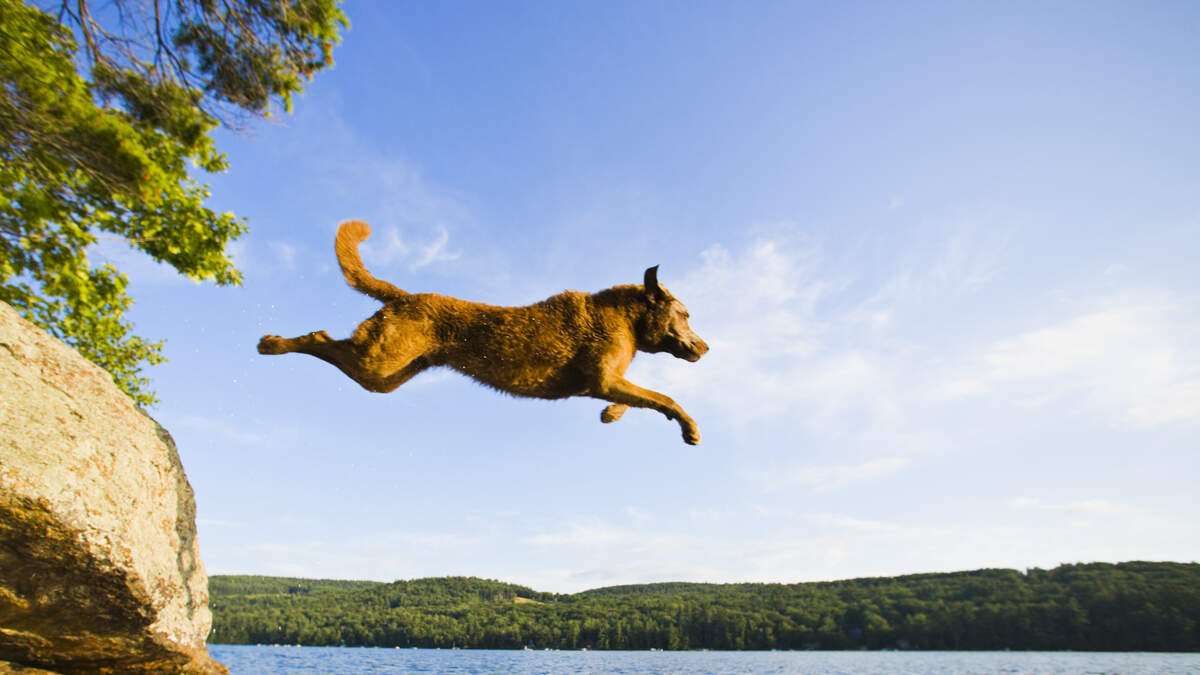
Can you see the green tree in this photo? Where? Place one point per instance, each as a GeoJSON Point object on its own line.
{"type": "Point", "coordinates": [101, 119]}
{"type": "Point", "coordinates": [1131, 606]}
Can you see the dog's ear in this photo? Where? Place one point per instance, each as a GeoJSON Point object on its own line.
{"type": "Point", "coordinates": [653, 290]}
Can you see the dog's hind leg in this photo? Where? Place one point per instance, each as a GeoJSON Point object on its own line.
{"type": "Point", "coordinates": [337, 352]}
{"type": "Point", "coordinates": [346, 356]}
{"type": "Point", "coordinates": [625, 393]}
{"type": "Point", "coordinates": [273, 344]}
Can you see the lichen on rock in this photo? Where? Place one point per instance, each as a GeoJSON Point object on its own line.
{"type": "Point", "coordinates": [100, 571]}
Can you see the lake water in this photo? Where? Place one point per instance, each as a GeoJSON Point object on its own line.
{"type": "Point", "coordinates": [252, 660]}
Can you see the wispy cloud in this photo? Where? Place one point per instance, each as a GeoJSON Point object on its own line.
{"type": "Point", "coordinates": [796, 334]}
{"type": "Point", "coordinates": [227, 431]}
{"type": "Point", "coordinates": [1132, 358]}
{"type": "Point", "coordinates": [285, 253]}
{"type": "Point", "coordinates": [216, 522]}
{"type": "Point", "coordinates": [771, 351]}
{"type": "Point", "coordinates": [387, 246]}
{"type": "Point", "coordinates": [414, 220]}
{"type": "Point", "coordinates": [587, 535]}
{"type": "Point", "coordinates": [1083, 506]}
{"type": "Point", "coordinates": [380, 556]}
{"type": "Point", "coordinates": [830, 477]}
{"type": "Point", "coordinates": [844, 523]}
{"type": "Point", "coordinates": [784, 545]}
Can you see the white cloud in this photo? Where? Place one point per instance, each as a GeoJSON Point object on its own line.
{"type": "Point", "coordinates": [636, 515]}
{"type": "Point", "coordinates": [617, 572]}
{"type": "Point", "coordinates": [413, 220]}
{"type": "Point", "coordinates": [954, 264]}
{"type": "Point", "coordinates": [811, 546]}
{"type": "Point", "coordinates": [771, 352]}
{"type": "Point", "coordinates": [228, 432]}
{"type": "Point", "coordinates": [386, 555]}
{"type": "Point", "coordinates": [831, 477]}
{"type": "Point", "coordinates": [1083, 506]}
{"type": "Point", "coordinates": [216, 522]}
{"type": "Point", "coordinates": [591, 534]}
{"type": "Point", "coordinates": [387, 246]}
{"type": "Point", "coordinates": [435, 250]}
{"type": "Point", "coordinates": [1129, 359]}
{"type": "Point", "coordinates": [285, 253]}
{"type": "Point", "coordinates": [442, 542]}
{"type": "Point", "coordinates": [291, 570]}
{"type": "Point", "coordinates": [796, 335]}
{"type": "Point", "coordinates": [786, 545]}
{"type": "Point", "coordinates": [873, 527]}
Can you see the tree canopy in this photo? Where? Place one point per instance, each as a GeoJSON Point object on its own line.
{"type": "Point", "coordinates": [103, 115]}
{"type": "Point", "coordinates": [1135, 606]}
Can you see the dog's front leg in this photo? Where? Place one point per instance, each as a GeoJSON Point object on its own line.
{"type": "Point", "coordinates": [613, 412]}
{"type": "Point", "coordinates": [625, 393]}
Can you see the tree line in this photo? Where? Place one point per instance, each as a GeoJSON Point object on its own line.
{"type": "Point", "coordinates": [1133, 606]}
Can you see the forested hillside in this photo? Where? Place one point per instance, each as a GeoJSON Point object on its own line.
{"type": "Point", "coordinates": [1128, 606]}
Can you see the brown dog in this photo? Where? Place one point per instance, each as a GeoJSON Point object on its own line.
{"type": "Point", "coordinates": [570, 344]}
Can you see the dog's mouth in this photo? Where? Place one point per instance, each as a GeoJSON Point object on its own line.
{"type": "Point", "coordinates": [689, 351]}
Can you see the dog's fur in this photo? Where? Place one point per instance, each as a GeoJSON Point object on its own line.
{"type": "Point", "coordinates": [571, 344]}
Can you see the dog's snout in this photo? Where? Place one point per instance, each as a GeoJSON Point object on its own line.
{"type": "Point", "coordinates": [696, 348]}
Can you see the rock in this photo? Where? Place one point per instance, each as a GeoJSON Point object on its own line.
{"type": "Point", "coordinates": [7, 668]}
{"type": "Point", "coordinates": [100, 571]}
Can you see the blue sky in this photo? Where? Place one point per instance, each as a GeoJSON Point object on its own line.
{"type": "Point", "coordinates": [943, 253]}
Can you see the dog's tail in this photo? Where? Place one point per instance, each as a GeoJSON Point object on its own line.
{"type": "Point", "coordinates": [349, 235]}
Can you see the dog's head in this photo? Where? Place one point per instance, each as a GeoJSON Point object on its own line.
{"type": "Point", "coordinates": [664, 328]}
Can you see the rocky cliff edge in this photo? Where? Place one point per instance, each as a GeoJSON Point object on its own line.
{"type": "Point", "coordinates": [100, 571]}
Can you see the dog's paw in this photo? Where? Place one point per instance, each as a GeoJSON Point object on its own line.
{"type": "Point", "coordinates": [691, 436]}
{"type": "Point", "coordinates": [270, 344]}
{"type": "Point", "coordinates": [613, 413]}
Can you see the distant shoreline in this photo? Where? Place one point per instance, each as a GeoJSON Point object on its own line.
{"type": "Point", "coordinates": [1124, 607]}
